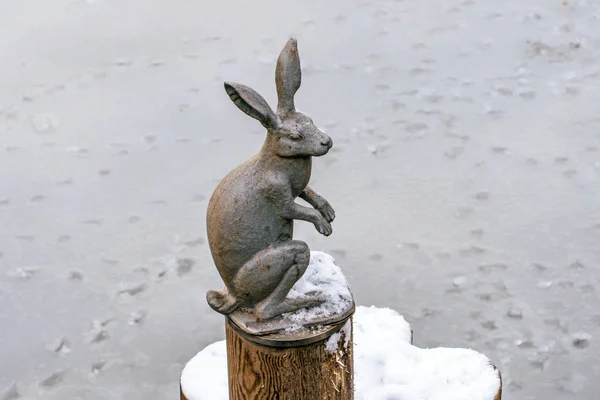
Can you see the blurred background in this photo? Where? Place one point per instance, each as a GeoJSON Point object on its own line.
{"type": "Point", "coordinates": [465, 175]}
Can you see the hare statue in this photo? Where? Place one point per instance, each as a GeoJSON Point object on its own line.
{"type": "Point", "coordinates": [251, 213]}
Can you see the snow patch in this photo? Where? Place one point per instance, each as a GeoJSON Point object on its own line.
{"type": "Point", "coordinates": [387, 366]}
{"type": "Point", "coordinates": [205, 376]}
{"type": "Point", "coordinates": [325, 280]}
{"type": "Point", "coordinates": [331, 345]}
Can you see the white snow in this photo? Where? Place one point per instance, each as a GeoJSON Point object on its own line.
{"type": "Point", "coordinates": [205, 376]}
{"type": "Point", "coordinates": [332, 344]}
{"type": "Point", "coordinates": [325, 280]}
{"type": "Point", "coordinates": [386, 366]}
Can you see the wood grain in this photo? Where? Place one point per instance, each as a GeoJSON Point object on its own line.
{"type": "Point", "coordinates": [296, 373]}
{"type": "Point", "coordinates": [499, 394]}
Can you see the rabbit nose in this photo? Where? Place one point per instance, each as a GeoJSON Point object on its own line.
{"type": "Point", "coordinates": [327, 142]}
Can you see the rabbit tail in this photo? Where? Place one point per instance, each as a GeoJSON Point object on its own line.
{"type": "Point", "coordinates": [222, 301]}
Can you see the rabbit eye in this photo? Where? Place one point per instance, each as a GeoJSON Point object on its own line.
{"type": "Point", "coordinates": [296, 136]}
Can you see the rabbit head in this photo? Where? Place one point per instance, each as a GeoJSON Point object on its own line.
{"type": "Point", "coordinates": [290, 132]}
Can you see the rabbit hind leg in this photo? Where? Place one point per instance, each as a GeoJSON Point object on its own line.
{"type": "Point", "coordinates": [266, 279]}
{"type": "Point", "coordinates": [276, 303]}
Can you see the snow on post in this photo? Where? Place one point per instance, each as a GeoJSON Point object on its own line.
{"type": "Point", "coordinates": [305, 354]}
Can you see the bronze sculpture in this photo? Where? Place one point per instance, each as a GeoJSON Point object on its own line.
{"type": "Point", "coordinates": [251, 212]}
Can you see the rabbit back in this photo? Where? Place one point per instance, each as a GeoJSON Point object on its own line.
{"type": "Point", "coordinates": [241, 221]}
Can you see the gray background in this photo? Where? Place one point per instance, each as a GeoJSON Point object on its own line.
{"type": "Point", "coordinates": [465, 176]}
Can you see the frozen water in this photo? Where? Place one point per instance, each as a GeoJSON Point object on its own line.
{"type": "Point", "coordinates": [456, 98]}
{"type": "Point", "coordinates": [44, 123]}
{"type": "Point", "coordinates": [386, 365]}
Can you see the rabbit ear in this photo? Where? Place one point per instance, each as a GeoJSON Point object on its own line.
{"type": "Point", "coordinates": [288, 76]}
{"type": "Point", "coordinates": [252, 103]}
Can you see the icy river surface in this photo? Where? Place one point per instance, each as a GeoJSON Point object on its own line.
{"type": "Point", "coordinates": [465, 175]}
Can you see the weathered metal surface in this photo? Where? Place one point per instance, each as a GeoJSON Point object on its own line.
{"type": "Point", "coordinates": [251, 212]}
{"type": "Point", "coordinates": [308, 334]}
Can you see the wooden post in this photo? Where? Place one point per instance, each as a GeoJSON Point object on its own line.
{"type": "Point", "coordinates": [317, 370]}
{"type": "Point", "coordinates": [315, 367]}
{"type": "Point", "coordinates": [318, 365]}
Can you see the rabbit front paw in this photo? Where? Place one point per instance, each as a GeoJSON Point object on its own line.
{"type": "Point", "coordinates": [326, 210]}
{"type": "Point", "coordinates": [323, 226]}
